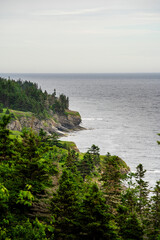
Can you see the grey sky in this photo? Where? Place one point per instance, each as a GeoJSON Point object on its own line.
{"type": "Point", "coordinates": [79, 36]}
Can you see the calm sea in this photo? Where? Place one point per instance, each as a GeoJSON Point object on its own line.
{"type": "Point", "coordinates": [121, 113]}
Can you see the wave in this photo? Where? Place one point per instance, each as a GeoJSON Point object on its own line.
{"type": "Point", "coordinates": [92, 119]}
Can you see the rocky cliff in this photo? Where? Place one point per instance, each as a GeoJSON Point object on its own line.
{"type": "Point", "coordinates": [59, 124]}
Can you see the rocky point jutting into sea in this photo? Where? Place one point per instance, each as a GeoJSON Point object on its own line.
{"type": "Point", "coordinates": [30, 107]}
{"type": "Point", "coordinates": [59, 124]}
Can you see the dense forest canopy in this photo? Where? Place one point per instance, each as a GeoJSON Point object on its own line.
{"type": "Point", "coordinates": [27, 96]}
{"type": "Point", "coordinates": [49, 191]}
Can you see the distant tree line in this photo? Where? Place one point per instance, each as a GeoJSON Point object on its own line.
{"type": "Point", "coordinates": [27, 96]}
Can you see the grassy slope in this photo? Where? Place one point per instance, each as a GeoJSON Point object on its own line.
{"type": "Point", "coordinates": [17, 114]}
{"type": "Point", "coordinates": [73, 113]}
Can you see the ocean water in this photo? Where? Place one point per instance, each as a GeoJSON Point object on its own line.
{"type": "Point", "coordinates": [121, 114]}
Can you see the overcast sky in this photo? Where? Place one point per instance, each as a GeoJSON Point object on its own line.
{"type": "Point", "coordinates": [65, 36]}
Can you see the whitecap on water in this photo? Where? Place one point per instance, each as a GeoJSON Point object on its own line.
{"type": "Point", "coordinates": [92, 119]}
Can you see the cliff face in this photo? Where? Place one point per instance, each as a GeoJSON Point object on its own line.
{"type": "Point", "coordinates": [57, 124]}
{"type": "Point", "coordinates": [68, 121]}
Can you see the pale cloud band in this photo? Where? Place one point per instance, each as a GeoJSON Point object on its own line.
{"type": "Point", "coordinates": [80, 36]}
{"type": "Point", "coordinates": [63, 13]}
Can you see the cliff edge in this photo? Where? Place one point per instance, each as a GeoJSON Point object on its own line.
{"type": "Point", "coordinates": [59, 124]}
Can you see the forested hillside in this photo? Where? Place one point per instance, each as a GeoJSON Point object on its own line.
{"type": "Point", "coordinates": [50, 191]}
{"type": "Point", "coordinates": [27, 96]}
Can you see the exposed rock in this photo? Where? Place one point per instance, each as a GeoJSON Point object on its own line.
{"type": "Point", "coordinates": [59, 124]}
{"type": "Point", "coordinates": [15, 125]}
{"type": "Point", "coordinates": [68, 121]}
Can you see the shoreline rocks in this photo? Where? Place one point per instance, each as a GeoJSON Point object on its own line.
{"type": "Point", "coordinates": [59, 124]}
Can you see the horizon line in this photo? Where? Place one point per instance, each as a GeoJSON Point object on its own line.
{"type": "Point", "coordinates": [80, 73]}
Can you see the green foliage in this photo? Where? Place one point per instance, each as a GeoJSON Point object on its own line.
{"type": "Point", "coordinates": [154, 223]}
{"type": "Point", "coordinates": [65, 207]}
{"type": "Point", "coordinates": [94, 151]}
{"type": "Point", "coordinates": [4, 198]}
{"type": "Point", "coordinates": [96, 221]}
{"type": "Point", "coordinates": [47, 191]}
{"type": "Point", "coordinates": [142, 190]}
{"type": "Point", "coordinates": [68, 145]}
{"type": "Point", "coordinates": [4, 195]}
{"type": "Point", "coordinates": [60, 104]}
{"type": "Point", "coordinates": [72, 113]}
{"type": "Point", "coordinates": [129, 197]}
{"type": "Point", "coordinates": [24, 177]}
{"type": "Point", "coordinates": [12, 116]}
{"type": "Point", "coordinates": [86, 165]}
{"type": "Point", "coordinates": [19, 114]}
{"type": "Point", "coordinates": [51, 140]}
{"type": "Point", "coordinates": [25, 197]}
{"type": "Point", "coordinates": [26, 96]}
{"type": "Point", "coordinates": [89, 162]}
{"type": "Point", "coordinates": [112, 178]}
{"type": "Point", "coordinates": [6, 144]}
{"type": "Point", "coordinates": [130, 226]}
{"type": "Point", "coordinates": [27, 231]}
{"type": "Point", "coordinates": [1, 108]}
{"type": "Point", "coordinates": [7, 111]}
{"type": "Point", "coordinates": [32, 167]}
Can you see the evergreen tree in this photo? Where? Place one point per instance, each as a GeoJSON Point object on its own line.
{"type": "Point", "coordinates": [65, 208]}
{"type": "Point", "coordinates": [111, 178]}
{"type": "Point", "coordinates": [143, 191]}
{"type": "Point", "coordinates": [154, 227]}
{"type": "Point", "coordinates": [86, 165]}
{"type": "Point", "coordinates": [26, 96]}
{"type": "Point", "coordinates": [13, 116]}
{"type": "Point", "coordinates": [129, 197]}
{"type": "Point", "coordinates": [24, 178]}
{"type": "Point", "coordinates": [133, 228]}
{"type": "Point", "coordinates": [96, 221]}
{"type": "Point", "coordinates": [71, 159]}
{"type": "Point", "coordinates": [1, 108]}
{"type": "Point", "coordinates": [94, 151]}
{"type": "Point", "coordinates": [32, 167]}
{"type": "Point", "coordinates": [7, 111]}
{"type": "Point", "coordinates": [6, 144]}
{"type": "Point", "coordinates": [4, 197]}
{"type": "Point", "coordinates": [130, 228]}
{"type": "Point", "coordinates": [42, 134]}
{"type": "Point", "coordinates": [28, 230]}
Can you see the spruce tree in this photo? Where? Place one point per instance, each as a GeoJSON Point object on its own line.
{"type": "Point", "coordinates": [1, 108]}
{"type": "Point", "coordinates": [130, 227]}
{"type": "Point", "coordinates": [6, 143]}
{"type": "Point", "coordinates": [7, 111]}
{"type": "Point", "coordinates": [154, 227]}
{"type": "Point", "coordinates": [96, 221]}
{"type": "Point", "coordinates": [129, 197]}
{"type": "Point", "coordinates": [111, 180]}
{"type": "Point", "coordinates": [143, 191]}
{"type": "Point", "coordinates": [65, 208]}
{"type": "Point", "coordinates": [71, 161]}
{"type": "Point", "coordinates": [86, 165]}
{"type": "Point", "coordinates": [94, 151]}
{"type": "Point", "coordinates": [33, 168]}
